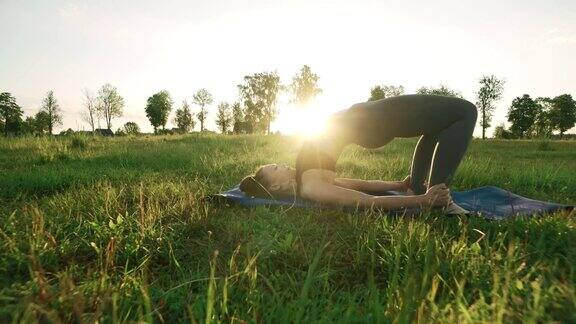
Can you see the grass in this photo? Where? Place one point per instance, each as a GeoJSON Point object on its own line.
{"type": "Point", "coordinates": [116, 229]}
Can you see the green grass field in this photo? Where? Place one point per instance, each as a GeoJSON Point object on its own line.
{"type": "Point", "coordinates": [114, 230]}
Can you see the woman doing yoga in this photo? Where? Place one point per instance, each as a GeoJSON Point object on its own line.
{"type": "Point", "coordinates": [444, 125]}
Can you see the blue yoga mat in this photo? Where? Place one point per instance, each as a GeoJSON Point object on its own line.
{"type": "Point", "coordinates": [488, 202]}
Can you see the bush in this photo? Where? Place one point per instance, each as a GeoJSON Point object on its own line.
{"type": "Point", "coordinates": [131, 128]}
{"type": "Point", "coordinates": [67, 132]}
{"type": "Point", "coordinates": [172, 131]}
{"type": "Point", "coordinates": [500, 132]}
{"type": "Point", "coordinates": [120, 132]}
{"type": "Point", "coordinates": [78, 143]}
{"type": "Point", "coordinates": [545, 145]}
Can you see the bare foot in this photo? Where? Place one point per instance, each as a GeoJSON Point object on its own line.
{"type": "Point", "coordinates": [454, 209]}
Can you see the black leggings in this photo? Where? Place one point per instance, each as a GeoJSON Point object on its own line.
{"type": "Point", "coordinates": [438, 154]}
{"type": "Point", "coordinates": [444, 125]}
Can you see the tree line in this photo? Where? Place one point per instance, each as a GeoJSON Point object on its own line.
{"type": "Point", "coordinates": [528, 117]}
{"type": "Point", "coordinates": [538, 117]}
{"type": "Point", "coordinates": [253, 112]}
{"type": "Point", "coordinates": [106, 105]}
{"type": "Point", "coordinates": [256, 108]}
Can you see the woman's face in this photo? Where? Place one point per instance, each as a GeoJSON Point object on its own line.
{"type": "Point", "coordinates": [279, 175]}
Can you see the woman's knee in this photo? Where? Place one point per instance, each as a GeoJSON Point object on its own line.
{"type": "Point", "coordinates": [470, 110]}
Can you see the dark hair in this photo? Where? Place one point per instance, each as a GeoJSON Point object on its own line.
{"type": "Point", "coordinates": [254, 188]}
{"type": "Point", "coordinates": [257, 185]}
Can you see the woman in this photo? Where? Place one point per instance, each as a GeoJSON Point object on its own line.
{"type": "Point", "coordinates": [444, 125]}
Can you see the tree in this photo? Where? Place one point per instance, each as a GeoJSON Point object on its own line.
{"type": "Point", "coordinates": [223, 117]}
{"type": "Point", "coordinates": [90, 114]}
{"type": "Point", "coordinates": [380, 92]}
{"type": "Point", "coordinates": [157, 109]}
{"type": "Point", "coordinates": [109, 103]}
{"type": "Point", "coordinates": [202, 98]}
{"type": "Point", "coordinates": [259, 93]}
{"type": "Point", "coordinates": [500, 132]}
{"type": "Point", "coordinates": [29, 125]}
{"type": "Point", "coordinates": [53, 111]}
{"type": "Point", "coordinates": [442, 90]}
{"type": "Point", "coordinates": [237, 118]}
{"type": "Point", "coordinates": [522, 114]}
{"type": "Point", "coordinates": [541, 126]}
{"type": "Point", "coordinates": [304, 86]}
{"type": "Point", "coordinates": [184, 119]}
{"type": "Point", "coordinates": [10, 114]}
{"type": "Point", "coordinates": [42, 122]}
{"type": "Point", "coordinates": [490, 91]}
{"type": "Point", "coordinates": [67, 132]}
{"type": "Point", "coordinates": [131, 128]}
{"type": "Point", "coordinates": [562, 113]}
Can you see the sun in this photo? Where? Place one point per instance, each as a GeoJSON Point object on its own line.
{"type": "Point", "coordinates": [307, 122]}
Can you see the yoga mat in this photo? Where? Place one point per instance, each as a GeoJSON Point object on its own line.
{"type": "Point", "coordinates": [489, 202]}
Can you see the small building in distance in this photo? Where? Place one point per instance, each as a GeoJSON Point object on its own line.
{"type": "Point", "coordinates": [97, 131]}
{"type": "Point", "coordinates": [103, 132]}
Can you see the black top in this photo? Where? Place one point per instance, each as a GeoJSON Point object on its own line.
{"type": "Point", "coordinates": [312, 157]}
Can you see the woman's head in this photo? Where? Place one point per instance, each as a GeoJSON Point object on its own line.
{"type": "Point", "coordinates": [270, 181]}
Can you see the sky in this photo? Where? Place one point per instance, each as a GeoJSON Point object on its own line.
{"type": "Point", "coordinates": [142, 47]}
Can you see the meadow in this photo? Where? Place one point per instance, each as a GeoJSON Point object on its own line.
{"type": "Point", "coordinates": [120, 229]}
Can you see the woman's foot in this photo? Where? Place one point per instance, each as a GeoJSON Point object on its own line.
{"type": "Point", "coordinates": [454, 209]}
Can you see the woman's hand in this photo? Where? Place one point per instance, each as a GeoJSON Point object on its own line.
{"type": "Point", "coordinates": [406, 183]}
{"type": "Point", "coordinates": [438, 195]}
{"type": "Point", "coordinates": [406, 186]}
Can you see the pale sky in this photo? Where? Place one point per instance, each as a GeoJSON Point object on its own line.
{"type": "Point", "coordinates": [142, 47]}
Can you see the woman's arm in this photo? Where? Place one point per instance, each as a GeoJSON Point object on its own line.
{"type": "Point", "coordinates": [372, 185]}
{"type": "Point", "coordinates": [324, 192]}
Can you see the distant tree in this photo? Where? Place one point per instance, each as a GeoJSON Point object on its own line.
{"type": "Point", "coordinates": [131, 128]}
{"type": "Point", "coordinates": [42, 122]}
{"type": "Point", "coordinates": [109, 104]}
{"type": "Point", "coordinates": [36, 125]}
{"type": "Point", "coordinates": [259, 93]}
{"type": "Point", "coordinates": [67, 132]}
{"type": "Point", "coordinates": [562, 113]}
{"type": "Point", "coordinates": [500, 132]}
{"type": "Point", "coordinates": [10, 114]}
{"type": "Point", "coordinates": [490, 91]}
{"type": "Point", "coordinates": [304, 86]}
{"type": "Point", "coordinates": [237, 118]}
{"type": "Point", "coordinates": [384, 91]}
{"type": "Point", "coordinates": [541, 126]}
{"type": "Point", "coordinates": [184, 119]}
{"type": "Point", "coordinates": [52, 109]}
{"type": "Point", "coordinates": [202, 98]}
{"type": "Point", "coordinates": [442, 90]}
{"type": "Point", "coordinates": [157, 109]}
{"type": "Point", "coordinates": [224, 117]}
{"type": "Point", "coordinates": [90, 114]}
{"type": "Point", "coordinates": [120, 132]}
{"type": "Point", "coordinates": [522, 114]}
{"type": "Point", "coordinates": [377, 93]}
{"type": "Point", "coordinates": [28, 125]}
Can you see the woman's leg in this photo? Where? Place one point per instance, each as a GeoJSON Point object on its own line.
{"type": "Point", "coordinates": [421, 162]}
{"type": "Point", "coordinates": [445, 125]}
{"type": "Point", "coordinates": [452, 144]}
{"type": "Point", "coordinates": [437, 155]}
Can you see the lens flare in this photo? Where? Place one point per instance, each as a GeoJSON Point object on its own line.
{"type": "Point", "coordinates": [308, 122]}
